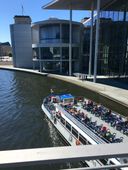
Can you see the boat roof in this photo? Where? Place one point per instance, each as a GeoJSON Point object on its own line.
{"type": "Point", "coordinates": [66, 96]}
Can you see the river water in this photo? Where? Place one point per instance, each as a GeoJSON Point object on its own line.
{"type": "Point", "coordinates": [22, 122]}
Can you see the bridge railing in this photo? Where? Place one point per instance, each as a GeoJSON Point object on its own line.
{"type": "Point", "coordinates": [65, 154]}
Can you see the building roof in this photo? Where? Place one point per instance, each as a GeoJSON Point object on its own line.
{"type": "Point", "coordinates": [55, 21]}
{"type": "Point", "coordinates": [109, 5]}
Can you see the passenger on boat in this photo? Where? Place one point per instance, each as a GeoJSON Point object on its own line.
{"type": "Point", "coordinates": [108, 134]}
{"type": "Point", "coordinates": [86, 119]}
{"type": "Point", "coordinates": [90, 103]}
{"type": "Point", "coordinates": [103, 130]}
{"type": "Point", "coordinates": [108, 114]}
{"type": "Point", "coordinates": [58, 114]}
{"type": "Point", "coordinates": [77, 142]}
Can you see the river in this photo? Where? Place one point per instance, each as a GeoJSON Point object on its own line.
{"type": "Point", "coordinates": [22, 122]}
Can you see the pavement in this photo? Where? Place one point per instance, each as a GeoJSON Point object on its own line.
{"type": "Point", "coordinates": [116, 94]}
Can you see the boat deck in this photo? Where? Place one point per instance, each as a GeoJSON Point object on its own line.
{"type": "Point", "coordinates": [85, 129]}
{"type": "Point", "coordinates": [100, 121]}
{"type": "Point", "coordinates": [95, 136]}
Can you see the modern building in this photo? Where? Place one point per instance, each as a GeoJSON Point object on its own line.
{"type": "Point", "coordinates": [108, 37]}
{"type": "Point", "coordinates": [113, 34]}
{"type": "Point", "coordinates": [54, 45]}
{"type": "Point", "coordinates": [47, 45]}
{"type": "Point", "coordinates": [21, 42]}
{"type": "Point", "coordinates": [50, 44]}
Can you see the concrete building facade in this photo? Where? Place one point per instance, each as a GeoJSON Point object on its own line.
{"type": "Point", "coordinates": [21, 42]}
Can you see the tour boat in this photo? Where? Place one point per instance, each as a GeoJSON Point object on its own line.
{"type": "Point", "coordinates": [82, 122]}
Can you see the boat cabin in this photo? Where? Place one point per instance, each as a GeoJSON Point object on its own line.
{"type": "Point", "coordinates": [67, 99]}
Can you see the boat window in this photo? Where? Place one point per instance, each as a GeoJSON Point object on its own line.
{"type": "Point", "coordinates": [82, 140]}
{"type": "Point", "coordinates": [88, 143]}
{"type": "Point", "coordinates": [74, 132]}
{"type": "Point", "coordinates": [68, 100]}
{"type": "Point", "coordinates": [68, 126]}
{"type": "Point", "coordinates": [62, 120]}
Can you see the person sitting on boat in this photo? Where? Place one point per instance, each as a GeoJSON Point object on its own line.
{"type": "Point", "coordinates": [94, 110]}
{"type": "Point", "coordinates": [119, 123]}
{"type": "Point", "coordinates": [103, 130]}
{"type": "Point", "coordinates": [86, 119]}
{"type": "Point", "coordinates": [90, 103]}
{"type": "Point", "coordinates": [108, 134]}
{"type": "Point", "coordinates": [108, 114]}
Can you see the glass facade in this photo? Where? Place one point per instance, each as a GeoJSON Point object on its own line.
{"type": "Point", "coordinates": [50, 33]}
{"type": "Point", "coordinates": [113, 40]}
{"type": "Point", "coordinates": [50, 66]}
{"type": "Point", "coordinates": [65, 33]}
{"type": "Point", "coordinates": [112, 58]}
{"type": "Point", "coordinates": [51, 51]}
{"type": "Point", "coordinates": [65, 52]}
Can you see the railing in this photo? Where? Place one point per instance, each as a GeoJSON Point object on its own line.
{"type": "Point", "coordinates": [65, 154]}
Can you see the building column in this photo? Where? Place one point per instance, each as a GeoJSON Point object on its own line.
{"type": "Point", "coordinates": [91, 42]}
{"type": "Point", "coordinates": [60, 48]}
{"type": "Point", "coordinates": [40, 59]}
{"type": "Point", "coordinates": [70, 44]}
{"type": "Point", "coordinates": [96, 40]}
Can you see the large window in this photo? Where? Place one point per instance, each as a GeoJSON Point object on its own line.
{"type": "Point", "coordinates": [51, 66]}
{"type": "Point", "coordinates": [65, 53]}
{"type": "Point", "coordinates": [50, 33]}
{"type": "Point", "coordinates": [75, 52]}
{"type": "Point", "coordinates": [65, 33]}
{"type": "Point", "coordinates": [52, 53]}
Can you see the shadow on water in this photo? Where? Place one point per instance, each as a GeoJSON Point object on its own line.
{"type": "Point", "coordinates": [23, 123]}
{"type": "Point", "coordinates": [116, 82]}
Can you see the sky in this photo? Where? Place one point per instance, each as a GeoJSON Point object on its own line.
{"type": "Point", "coordinates": [10, 8]}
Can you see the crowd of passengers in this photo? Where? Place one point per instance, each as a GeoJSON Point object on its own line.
{"type": "Point", "coordinates": [98, 110]}
{"type": "Point", "coordinates": [114, 120]}
{"type": "Point", "coordinates": [105, 114]}
{"type": "Point", "coordinates": [100, 130]}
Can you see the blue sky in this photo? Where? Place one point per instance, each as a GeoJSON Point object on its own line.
{"type": "Point", "coordinates": [10, 8]}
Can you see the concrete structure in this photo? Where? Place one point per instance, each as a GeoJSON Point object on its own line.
{"type": "Point", "coordinates": [21, 42]}
{"type": "Point", "coordinates": [53, 48]}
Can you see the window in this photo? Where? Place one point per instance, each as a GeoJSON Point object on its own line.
{"type": "Point", "coordinates": [65, 53]}
{"type": "Point", "coordinates": [68, 126]}
{"type": "Point", "coordinates": [62, 121]}
{"type": "Point", "coordinates": [74, 132]}
{"type": "Point", "coordinates": [82, 140]}
{"type": "Point", "coordinates": [50, 33]}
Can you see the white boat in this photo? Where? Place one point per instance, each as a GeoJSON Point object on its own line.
{"type": "Point", "coordinates": [79, 123]}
